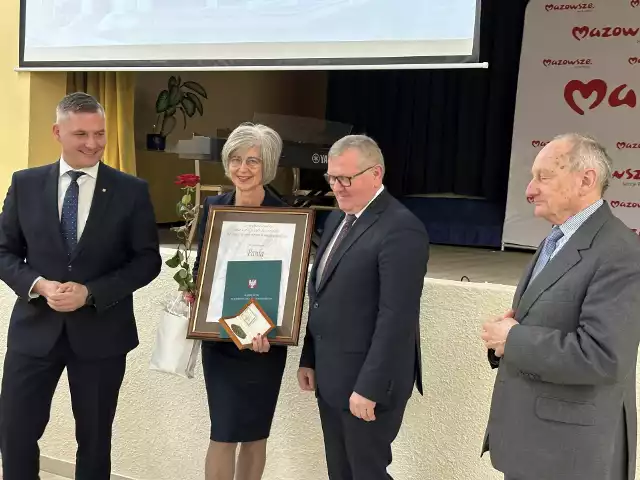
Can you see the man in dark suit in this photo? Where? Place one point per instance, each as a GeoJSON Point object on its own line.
{"type": "Point", "coordinates": [564, 401]}
{"type": "Point", "coordinates": [77, 238]}
{"type": "Point", "coordinates": [361, 352]}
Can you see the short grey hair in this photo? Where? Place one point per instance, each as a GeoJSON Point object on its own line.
{"type": "Point", "coordinates": [370, 153]}
{"type": "Point", "coordinates": [248, 135]}
{"type": "Point", "coordinates": [586, 153]}
{"type": "Point", "coordinates": [78, 102]}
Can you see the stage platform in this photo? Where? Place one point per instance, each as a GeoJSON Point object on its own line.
{"type": "Point", "coordinates": [474, 264]}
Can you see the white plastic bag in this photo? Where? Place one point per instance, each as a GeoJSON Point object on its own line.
{"type": "Point", "coordinates": [173, 352]}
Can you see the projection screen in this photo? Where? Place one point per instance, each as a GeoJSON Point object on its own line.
{"type": "Point", "coordinates": [247, 33]}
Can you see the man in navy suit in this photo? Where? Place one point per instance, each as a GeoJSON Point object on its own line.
{"type": "Point", "coordinates": [361, 352]}
{"type": "Point", "coordinates": [77, 238]}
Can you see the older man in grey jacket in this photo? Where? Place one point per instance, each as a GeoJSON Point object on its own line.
{"type": "Point", "coordinates": [564, 400]}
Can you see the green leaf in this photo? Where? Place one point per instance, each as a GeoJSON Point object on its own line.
{"type": "Point", "coordinates": [186, 199]}
{"type": "Point", "coordinates": [189, 106]}
{"type": "Point", "coordinates": [196, 87]}
{"type": "Point", "coordinates": [170, 111]}
{"type": "Point", "coordinates": [168, 124]}
{"type": "Point", "coordinates": [184, 116]}
{"type": "Point", "coordinates": [173, 81]}
{"type": "Point", "coordinates": [178, 278]}
{"type": "Point", "coordinates": [174, 261]}
{"type": "Point", "coordinates": [196, 101]}
{"type": "Point", "coordinates": [162, 103]}
{"type": "Point", "coordinates": [175, 95]}
{"type": "Point", "coordinates": [179, 81]}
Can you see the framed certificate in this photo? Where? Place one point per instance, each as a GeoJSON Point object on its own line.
{"type": "Point", "coordinates": [257, 256]}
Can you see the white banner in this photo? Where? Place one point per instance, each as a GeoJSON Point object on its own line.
{"type": "Point", "coordinates": [579, 72]}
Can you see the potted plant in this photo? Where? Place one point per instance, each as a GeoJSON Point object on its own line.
{"type": "Point", "coordinates": [183, 97]}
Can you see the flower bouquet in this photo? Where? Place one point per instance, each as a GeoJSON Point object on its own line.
{"type": "Point", "coordinates": [173, 353]}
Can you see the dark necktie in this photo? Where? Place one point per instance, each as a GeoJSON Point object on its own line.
{"type": "Point", "coordinates": [348, 223]}
{"type": "Point", "coordinates": [69, 217]}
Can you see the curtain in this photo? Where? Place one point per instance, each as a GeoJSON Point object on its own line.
{"type": "Point", "coordinates": [442, 131]}
{"type": "Point", "coordinates": [115, 91]}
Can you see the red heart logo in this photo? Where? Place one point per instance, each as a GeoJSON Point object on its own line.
{"type": "Point", "coordinates": [549, 7]}
{"type": "Point", "coordinates": [615, 204]}
{"type": "Point", "coordinates": [580, 32]}
{"type": "Point", "coordinates": [596, 86]}
{"type": "Point", "coordinates": [546, 62]}
{"type": "Point", "coordinates": [535, 143]}
{"type": "Point", "coordinates": [634, 60]}
{"type": "Point", "coordinates": [621, 145]}
{"type": "Point", "coordinates": [635, 3]}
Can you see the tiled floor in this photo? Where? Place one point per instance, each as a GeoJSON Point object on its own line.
{"type": "Point", "coordinates": [50, 476]}
{"type": "Point", "coordinates": [45, 476]}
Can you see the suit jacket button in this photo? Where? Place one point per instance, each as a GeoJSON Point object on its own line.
{"type": "Point", "coordinates": [318, 337]}
{"type": "Point", "coordinates": [315, 305]}
{"type": "Point", "coordinates": [69, 267]}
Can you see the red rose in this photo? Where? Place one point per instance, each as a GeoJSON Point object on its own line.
{"type": "Point", "coordinates": [187, 180]}
{"type": "Point", "coordinates": [189, 297]}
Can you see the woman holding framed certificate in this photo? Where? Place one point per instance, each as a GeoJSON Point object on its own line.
{"type": "Point", "coordinates": [242, 384]}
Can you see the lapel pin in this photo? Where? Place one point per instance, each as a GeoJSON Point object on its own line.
{"type": "Point", "coordinates": [104, 189]}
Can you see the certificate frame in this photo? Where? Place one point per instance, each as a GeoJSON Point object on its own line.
{"type": "Point", "coordinates": [201, 325]}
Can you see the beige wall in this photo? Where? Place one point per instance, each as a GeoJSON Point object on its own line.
{"type": "Point", "coordinates": [14, 121]}
{"type": "Point", "coordinates": [233, 97]}
{"type": "Point", "coordinates": [161, 429]}
{"type": "Point", "coordinates": [28, 104]}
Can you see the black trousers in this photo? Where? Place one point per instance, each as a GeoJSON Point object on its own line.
{"type": "Point", "coordinates": [28, 385]}
{"type": "Point", "coordinates": [355, 449]}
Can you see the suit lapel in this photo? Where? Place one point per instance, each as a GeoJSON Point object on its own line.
{"type": "Point", "coordinates": [553, 271]}
{"type": "Point", "coordinates": [565, 260]}
{"type": "Point", "coordinates": [524, 280]}
{"type": "Point", "coordinates": [50, 208]}
{"type": "Point", "coordinates": [332, 223]}
{"type": "Point", "coordinates": [101, 196]}
{"type": "Point", "coordinates": [368, 218]}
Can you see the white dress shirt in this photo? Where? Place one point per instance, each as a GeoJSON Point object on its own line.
{"type": "Point", "coordinates": [323, 260]}
{"type": "Point", "coordinates": [86, 187]}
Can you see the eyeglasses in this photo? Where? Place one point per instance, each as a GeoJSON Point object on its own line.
{"type": "Point", "coordinates": [344, 180]}
{"type": "Point", "coordinates": [251, 162]}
